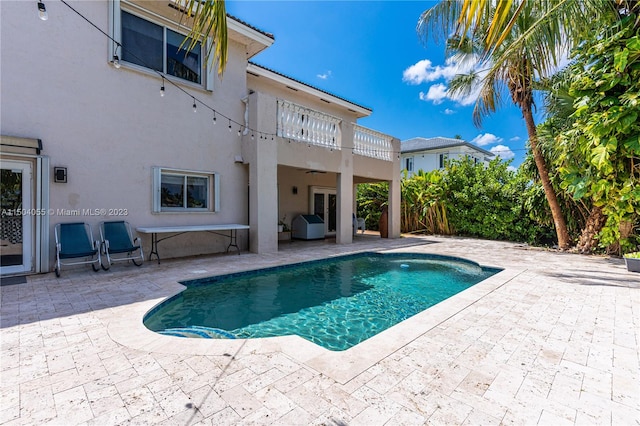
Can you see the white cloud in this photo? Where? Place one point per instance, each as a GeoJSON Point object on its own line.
{"type": "Point", "coordinates": [503, 152]}
{"type": "Point", "coordinates": [515, 139]}
{"type": "Point", "coordinates": [512, 169]}
{"type": "Point", "coordinates": [486, 139]}
{"type": "Point", "coordinates": [325, 75]}
{"type": "Point", "coordinates": [449, 111]}
{"type": "Point", "coordinates": [423, 71]}
{"type": "Point", "coordinates": [436, 94]}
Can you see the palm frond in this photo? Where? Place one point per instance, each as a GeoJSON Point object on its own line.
{"type": "Point", "coordinates": [209, 19]}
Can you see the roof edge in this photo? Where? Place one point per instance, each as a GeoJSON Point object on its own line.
{"type": "Point", "coordinates": [263, 71]}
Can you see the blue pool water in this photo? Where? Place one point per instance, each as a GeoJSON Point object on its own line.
{"type": "Point", "coordinates": [335, 303]}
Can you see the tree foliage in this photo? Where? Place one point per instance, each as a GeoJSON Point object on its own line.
{"type": "Point", "coordinates": [529, 46]}
{"type": "Point", "coordinates": [465, 198]}
{"type": "Point", "coordinates": [600, 153]}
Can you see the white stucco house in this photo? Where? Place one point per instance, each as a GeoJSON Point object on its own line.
{"type": "Point", "coordinates": [428, 154]}
{"type": "Point", "coordinates": [84, 140]}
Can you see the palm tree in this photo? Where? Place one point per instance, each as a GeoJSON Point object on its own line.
{"type": "Point", "coordinates": [512, 66]}
{"type": "Point", "coordinates": [500, 17]}
{"type": "Point", "coordinates": [208, 18]}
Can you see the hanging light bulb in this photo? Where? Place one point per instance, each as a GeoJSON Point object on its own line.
{"type": "Point", "coordinates": [42, 11]}
{"type": "Point", "coordinates": [162, 88]}
{"type": "Point", "coordinates": [214, 117]}
{"type": "Point", "coordinates": [116, 59]}
{"type": "Point", "coordinates": [229, 125]}
{"type": "Point", "coordinates": [195, 107]}
{"type": "Point", "coordinates": [238, 132]}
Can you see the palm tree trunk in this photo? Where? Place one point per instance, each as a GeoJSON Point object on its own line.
{"type": "Point", "coordinates": [564, 242]}
{"type": "Point", "coordinates": [595, 222]}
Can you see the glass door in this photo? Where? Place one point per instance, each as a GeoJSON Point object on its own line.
{"type": "Point", "coordinates": [324, 203]}
{"type": "Point", "coordinates": [16, 217]}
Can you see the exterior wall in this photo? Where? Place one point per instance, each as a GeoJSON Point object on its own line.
{"type": "Point", "coordinates": [430, 160]}
{"type": "Point", "coordinates": [109, 126]}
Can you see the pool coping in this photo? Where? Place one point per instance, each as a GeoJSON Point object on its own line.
{"type": "Point", "coordinates": [126, 328]}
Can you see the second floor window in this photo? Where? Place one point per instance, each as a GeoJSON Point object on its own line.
{"type": "Point", "coordinates": [156, 47]}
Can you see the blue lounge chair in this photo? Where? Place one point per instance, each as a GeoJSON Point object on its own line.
{"type": "Point", "coordinates": [117, 239]}
{"type": "Point", "coordinates": [73, 241]}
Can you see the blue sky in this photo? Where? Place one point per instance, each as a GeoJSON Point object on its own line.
{"type": "Point", "coordinates": [369, 52]}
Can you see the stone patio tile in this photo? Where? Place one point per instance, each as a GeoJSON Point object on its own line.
{"type": "Point", "coordinates": [73, 406]}
{"type": "Point", "coordinates": [406, 417]}
{"type": "Point", "coordinates": [347, 403]}
{"type": "Point", "coordinates": [207, 401]}
{"type": "Point", "coordinates": [228, 381]}
{"type": "Point", "coordinates": [115, 363]}
{"type": "Point", "coordinates": [377, 414]}
{"type": "Point", "coordinates": [599, 383]}
{"type": "Point", "coordinates": [595, 406]}
{"type": "Point", "coordinates": [116, 416]}
{"type": "Point", "coordinates": [479, 418]}
{"type": "Point", "coordinates": [311, 398]}
{"type": "Point", "coordinates": [293, 380]}
{"type": "Point", "coordinates": [140, 401]}
{"type": "Point", "coordinates": [476, 383]}
{"type": "Point", "coordinates": [624, 415]}
{"type": "Point", "coordinates": [449, 379]}
{"type": "Point", "coordinates": [138, 381]}
{"type": "Point", "coordinates": [626, 389]}
{"type": "Point", "coordinates": [105, 403]}
{"type": "Point", "coordinates": [566, 388]}
{"type": "Point", "coordinates": [548, 418]}
{"type": "Point", "coordinates": [442, 409]}
{"type": "Point", "coordinates": [480, 404]}
{"type": "Point", "coordinates": [277, 403]}
{"type": "Point", "coordinates": [295, 417]}
{"type": "Point", "coordinates": [241, 401]}
{"type": "Point", "coordinates": [262, 416]}
{"type": "Point", "coordinates": [8, 413]}
{"type": "Point", "coordinates": [173, 400]}
{"type": "Point", "coordinates": [263, 380]}
{"type": "Point", "coordinates": [332, 417]}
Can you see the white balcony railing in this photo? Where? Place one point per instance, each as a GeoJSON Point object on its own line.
{"type": "Point", "coordinates": [309, 126]}
{"type": "Point", "coordinates": [373, 144]}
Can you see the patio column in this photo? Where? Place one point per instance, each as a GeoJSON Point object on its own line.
{"type": "Point", "coordinates": [344, 186]}
{"type": "Point", "coordinates": [262, 157]}
{"type": "Point", "coordinates": [394, 193]}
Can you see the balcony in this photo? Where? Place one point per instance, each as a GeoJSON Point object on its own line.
{"type": "Point", "coordinates": [305, 125]}
{"type": "Point", "coordinates": [370, 143]}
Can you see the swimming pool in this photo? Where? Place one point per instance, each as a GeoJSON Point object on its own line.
{"type": "Point", "coordinates": [335, 303]}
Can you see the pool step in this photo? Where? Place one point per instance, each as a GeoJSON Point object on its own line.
{"type": "Point", "coordinates": [196, 331]}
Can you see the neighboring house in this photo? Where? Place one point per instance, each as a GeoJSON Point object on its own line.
{"type": "Point", "coordinates": [428, 154]}
{"type": "Point", "coordinates": [84, 140]}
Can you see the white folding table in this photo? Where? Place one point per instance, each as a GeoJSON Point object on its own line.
{"type": "Point", "coordinates": [178, 230]}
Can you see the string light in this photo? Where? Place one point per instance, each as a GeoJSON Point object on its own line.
{"type": "Point", "coordinates": [214, 118]}
{"type": "Point", "coordinates": [116, 59]}
{"type": "Point", "coordinates": [229, 125]}
{"type": "Point", "coordinates": [195, 107]}
{"type": "Point", "coordinates": [42, 11]}
{"type": "Point", "coordinates": [162, 88]}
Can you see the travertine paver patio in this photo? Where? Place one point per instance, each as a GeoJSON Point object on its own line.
{"type": "Point", "coordinates": [554, 339]}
